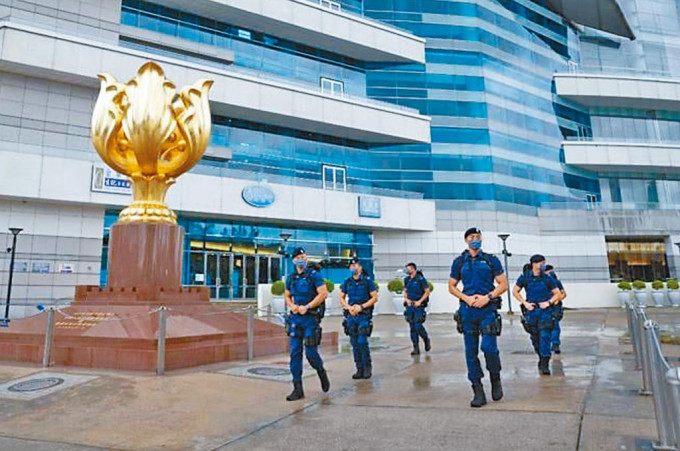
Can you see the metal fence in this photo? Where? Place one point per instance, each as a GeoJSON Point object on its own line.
{"type": "Point", "coordinates": [660, 379]}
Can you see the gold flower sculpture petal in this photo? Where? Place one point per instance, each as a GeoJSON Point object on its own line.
{"type": "Point", "coordinates": [149, 132]}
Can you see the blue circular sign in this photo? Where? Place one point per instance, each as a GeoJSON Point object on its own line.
{"type": "Point", "coordinates": [259, 196]}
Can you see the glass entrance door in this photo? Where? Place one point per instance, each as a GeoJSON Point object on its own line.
{"type": "Point", "coordinates": [218, 274]}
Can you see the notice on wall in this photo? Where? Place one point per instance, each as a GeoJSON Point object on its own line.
{"type": "Point", "coordinates": [106, 180]}
{"type": "Point", "coordinates": [40, 267]}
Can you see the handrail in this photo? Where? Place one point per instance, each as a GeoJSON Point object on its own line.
{"type": "Point", "coordinates": [659, 378]}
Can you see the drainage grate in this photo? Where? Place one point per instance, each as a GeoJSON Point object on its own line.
{"type": "Point", "coordinates": [278, 372]}
{"type": "Point", "coordinates": [32, 385]}
{"type": "Point", "coordinates": [41, 384]}
{"type": "Point", "coordinates": [268, 371]}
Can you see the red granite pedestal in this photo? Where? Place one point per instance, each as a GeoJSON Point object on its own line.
{"type": "Point", "coordinates": [117, 326]}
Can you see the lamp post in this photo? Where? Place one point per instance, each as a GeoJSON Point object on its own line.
{"type": "Point", "coordinates": [506, 254]}
{"type": "Point", "coordinates": [285, 237]}
{"type": "Point", "coordinates": [15, 231]}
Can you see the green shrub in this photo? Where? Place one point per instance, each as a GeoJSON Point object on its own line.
{"type": "Point", "coordinates": [330, 286]}
{"type": "Point", "coordinates": [278, 288]}
{"type": "Point", "coordinates": [376, 286]}
{"type": "Point", "coordinates": [657, 285]}
{"type": "Point", "coordinates": [430, 286]}
{"type": "Point", "coordinates": [395, 286]}
{"type": "Point", "coordinates": [639, 285]}
{"type": "Point", "coordinates": [625, 285]}
{"type": "Point", "coordinates": [672, 284]}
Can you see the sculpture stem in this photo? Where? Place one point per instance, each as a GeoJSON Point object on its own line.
{"type": "Point", "coordinates": [148, 205]}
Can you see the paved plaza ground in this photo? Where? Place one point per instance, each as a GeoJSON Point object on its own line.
{"type": "Point", "coordinates": [590, 402]}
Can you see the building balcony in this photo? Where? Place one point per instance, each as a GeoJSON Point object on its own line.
{"type": "Point", "coordinates": [641, 92]}
{"type": "Point", "coordinates": [611, 156]}
{"type": "Point", "coordinates": [324, 24]}
{"type": "Point", "coordinates": [53, 55]}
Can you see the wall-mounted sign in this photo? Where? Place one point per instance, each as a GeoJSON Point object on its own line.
{"type": "Point", "coordinates": [40, 267]}
{"type": "Point", "coordinates": [259, 196]}
{"type": "Point", "coordinates": [106, 180]}
{"type": "Point", "coordinates": [66, 268]}
{"type": "Point", "coordinates": [369, 207]}
{"type": "Point", "coordinates": [21, 266]}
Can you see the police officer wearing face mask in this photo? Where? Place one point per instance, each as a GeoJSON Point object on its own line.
{"type": "Point", "coordinates": [558, 311]}
{"type": "Point", "coordinates": [479, 302]}
{"type": "Point", "coordinates": [416, 296]}
{"type": "Point", "coordinates": [358, 295]}
{"type": "Point", "coordinates": [541, 294]}
{"type": "Point", "coordinates": [305, 294]}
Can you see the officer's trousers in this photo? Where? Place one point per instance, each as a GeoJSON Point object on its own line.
{"type": "Point", "coordinates": [359, 330]}
{"type": "Point", "coordinates": [475, 322]}
{"type": "Point", "coordinates": [415, 316]}
{"type": "Point", "coordinates": [303, 326]}
{"type": "Point", "coordinates": [555, 336]}
{"type": "Point", "coordinates": [541, 323]}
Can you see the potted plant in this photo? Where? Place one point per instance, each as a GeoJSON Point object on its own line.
{"type": "Point", "coordinates": [658, 293]}
{"type": "Point", "coordinates": [640, 289]}
{"type": "Point", "coordinates": [277, 290]}
{"type": "Point", "coordinates": [624, 292]}
{"type": "Point", "coordinates": [673, 292]}
{"type": "Point", "coordinates": [330, 286]}
{"type": "Point", "coordinates": [396, 286]}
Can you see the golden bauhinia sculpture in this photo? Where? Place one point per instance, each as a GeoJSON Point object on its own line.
{"type": "Point", "coordinates": [148, 131]}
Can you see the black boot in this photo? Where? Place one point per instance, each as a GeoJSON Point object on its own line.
{"type": "Point", "coordinates": [325, 383]}
{"type": "Point", "coordinates": [428, 344]}
{"type": "Point", "coordinates": [416, 349]}
{"type": "Point", "coordinates": [496, 387]}
{"type": "Point", "coordinates": [368, 372]}
{"type": "Point", "coordinates": [545, 366]}
{"type": "Point", "coordinates": [556, 348]}
{"type": "Point", "coordinates": [297, 392]}
{"type": "Point", "coordinates": [359, 374]}
{"type": "Point", "coordinates": [480, 398]}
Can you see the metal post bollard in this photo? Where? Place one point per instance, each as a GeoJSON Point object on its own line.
{"type": "Point", "coordinates": [644, 354]}
{"type": "Point", "coordinates": [49, 328]}
{"type": "Point", "coordinates": [661, 408]}
{"type": "Point", "coordinates": [251, 332]}
{"type": "Point", "coordinates": [635, 335]}
{"type": "Point", "coordinates": [673, 385]}
{"type": "Point", "coordinates": [160, 356]}
{"type": "Point", "coordinates": [269, 313]}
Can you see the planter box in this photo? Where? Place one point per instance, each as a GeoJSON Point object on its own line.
{"type": "Point", "coordinates": [659, 297]}
{"type": "Point", "coordinates": [641, 296]}
{"type": "Point", "coordinates": [624, 297]}
{"type": "Point", "coordinates": [674, 297]}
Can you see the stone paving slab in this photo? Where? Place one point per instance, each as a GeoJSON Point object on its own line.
{"type": "Point", "coordinates": [361, 428]}
{"type": "Point", "coordinates": [411, 403]}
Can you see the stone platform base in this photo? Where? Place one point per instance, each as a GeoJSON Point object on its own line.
{"type": "Point", "coordinates": [125, 337]}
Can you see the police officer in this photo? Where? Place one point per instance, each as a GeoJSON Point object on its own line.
{"type": "Point", "coordinates": [541, 294]}
{"type": "Point", "coordinates": [305, 295]}
{"type": "Point", "coordinates": [416, 296]}
{"type": "Point", "coordinates": [358, 295]}
{"type": "Point", "coordinates": [479, 302]}
{"type": "Point", "coordinates": [558, 311]}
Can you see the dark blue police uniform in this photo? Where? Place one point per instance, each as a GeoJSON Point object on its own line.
{"type": "Point", "coordinates": [303, 289]}
{"type": "Point", "coordinates": [359, 290]}
{"type": "Point", "coordinates": [539, 322]}
{"type": "Point", "coordinates": [558, 313]}
{"type": "Point", "coordinates": [478, 274]}
{"type": "Point", "coordinates": [415, 316]}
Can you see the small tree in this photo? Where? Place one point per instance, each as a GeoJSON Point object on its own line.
{"type": "Point", "coordinates": [278, 288]}
{"type": "Point", "coordinates": [395, 286]}
{"type": "Point", "coordinates": [430, 285]}
{"type": "Point", "coordinates": [639, 285]}
{"type": "Point", "coordinates": [625, 285]}
{"type": "Point", "coordinates": [657, 285]}
{"type": "Point", "coordinates": [330, 285]}
{"type": "Point", "coordinates": [672, 284]}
